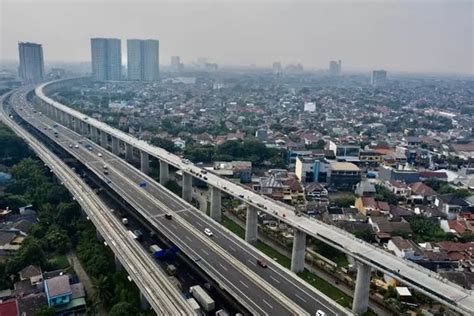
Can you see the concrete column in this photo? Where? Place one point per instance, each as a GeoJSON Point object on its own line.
{"type": "Point", "coordinates": [76, 125]}
{"type": "Point", "coordinates": [360, 303]}
{"type": "Point", "coordinates": [143, 302]}
{"type": "Point", "coordinates": [118, 264]}
{"type": "Point", "coordinates": [216, 210]}
{"type": "Point", "coordinates": [251, 225]}
{"type": "Point", "coordinates": [164, 172]}
{"type": "Point", "coordinates": [144, 162]}
{"type": "Point", "coordinates": [103, 139]}
{"type": "Point", "coordinates": [68, 121]}
{"type": "Point", "coordinates": [187, 186]}
{"type": "Point", "coordinates": [128, 152]}
{"type": "Point", "coordinates": [85, 129]}
{"type": "Point", "coordinates": [94, 134]}
{"type": "Point", "coordinates": [115, 146]}
{"type": "Point", "coordinates": [298, 253]}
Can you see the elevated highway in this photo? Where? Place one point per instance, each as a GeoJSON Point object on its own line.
{"type": "Point", "coordinates": [262, 291]}
{"type": "Point", "coordinates": [367, 256]}
{"type": "Point", "coordinates": [162, 295]}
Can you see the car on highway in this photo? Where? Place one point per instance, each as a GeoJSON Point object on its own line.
{"type": "Point", "coordinates": [106, 172]}
{"type": "Point", "coordinates": [99, 154]}
{"type": "Point", "coordinates": [262, 263]}
{"type": "Point", "coordinates": [70, 145]}
{"type": "Point", "coordinates": [76, 146]}
{"type": "Point", "coordinates": [208, 232]}
{"type": "Point", "coordinates": [168, 216]}
{"type": "Point", "coordinates": [142, 184]}
{"type": "Point", "coordinates": [320, 313]}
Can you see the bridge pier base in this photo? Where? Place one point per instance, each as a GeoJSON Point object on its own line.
{"type": "Point", "coordinates": [360, 304]}
{"type": "Point", "coordinates": [103, 139]}
{"type": "Point", "coordinates": [115, 146]}
{"type": "Point", "coordinates": [298, 252]}
{"type": "Point", "coordinates": [216, 210]}
{"type": "Point", "coordinates": [251, 225]}
{"type": "Point", "coordinates": [128, 152]}
{"type": "Point", "coordinates": [144, 302]}
{"type": "Point", "coordinates": [164, 172]}
{"type": "Point", "coordinates": [144, 162]}
{"type": "Point", "coordinates": [187, 187]}
{"type": "Point", "coordinates": [94, 135]}
{"type": "Point", "coordinates": [118, 264]}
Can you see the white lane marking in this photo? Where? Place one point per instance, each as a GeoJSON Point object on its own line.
{"type": "Point", "coordinates": [223, 267]}
{"type": "Point", "coordinates": [232, 248]}
{"type": "Point", "coordinates": [199, 224]}
{"type": "Point", "coordinates": [207, 253]}
{"type": "Point", "coordinates": [271, 277]}
{"type": "Point", "coordinates": [187, 237]}
{"type": "Point", "coordinates": [268, 304]}
{"type": "Point", "coordinates": [244, 284]}
{"type": "Point", "coordinates": [300, 297]}
{"type": "Point", "coordinates": [252, 262]}
{"type": "Point", "coordinates": [174, 226]}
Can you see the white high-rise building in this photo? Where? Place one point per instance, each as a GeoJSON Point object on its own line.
{"type": "Point", "coordinates": [335, 67]}
{"type": "Point", "coordinates": [106, 56]}
{"type": "Point", "coordinates": [378, 77]}
{"type": "Point", "coordinates": [31, 69]}
{"type": "Point", "coordinates": [176, 63]}
{"type": "Point", "coordinates": [134, 59]}
{"type": "Point", "coordinates": [143, 59]}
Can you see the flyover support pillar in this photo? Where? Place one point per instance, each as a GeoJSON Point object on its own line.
{"type": "Point", "coordinates": [144, 302]}
{"type": "Point", "coordinates": [360, 303]}
{"type": "Point", "coordinates": [144, 162]}
{"type": "Point", "coordinates": [94, 135]}
{"type": "Point", "coordinates": [216, 210]}
{"type": "Point", "coordinates": [118, 264]}
{"type": "Point", "coordinates": [251, 225]}
{"type": "Point", "coordinates": [128, 152]}
{"type": "Point", "coordinates": [164, 172]}
{"type": "Point", "coordinates": [85, 129]}
{"type": "Point", "coordinates": [298, 252]}
{"type": "Point", "coordinates": [77, 126]}
{"type": "Point", "coordinates": [187, 186]}
{"type": "Point", "coordinates": [103, 139]}
{"type": "Point", "coordinates": [115, 146]}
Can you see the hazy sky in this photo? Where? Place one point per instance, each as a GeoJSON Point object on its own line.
{"type": "Point", "coordinates": [421, 36]}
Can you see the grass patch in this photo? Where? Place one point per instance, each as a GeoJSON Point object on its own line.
{"type": "Point", "coordinates": [326, 287]}
{"type": "Point", "coordinates": [272, 253]}
{"type": "Point", "coordinates": [59, 262]}
{"type": "Point", "coordinates": [233, 227]}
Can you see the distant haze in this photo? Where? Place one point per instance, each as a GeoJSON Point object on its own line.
{"type": "Point", "coordinates": [417, 36]}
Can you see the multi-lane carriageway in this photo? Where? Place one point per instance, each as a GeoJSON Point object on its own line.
{"type": "Point", "coordinates": [367, 256]}
{"type": "Point", "coordinates": [153, 283]}
{"type": "Point", "coordinates": [228, 260]}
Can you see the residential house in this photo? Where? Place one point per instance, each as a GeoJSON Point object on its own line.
{"type": "Point", "coordinates": [9, 308]}
{"type": "Point", "coordinates": [32, 273]}
{"type": "Point", "coordinates": [400, 189]}
{"type": "Point", "coordinates": [343, 175]}
{"type": "Point", "coordinates": [315, 191]}
{"type": "Point", "coordinates": [58, 290]}
{"type": "Point", "coordinates": [367, 205]}
{"type": "Point", "coordinates": [365, 188]}
{"type": "Point", "coordinates": [405, 249]}
{"type": "Point", "coordinates": [421, 192]}
{"type": "Point", "coordinates": [450, 205]}
{"type": "Point", "coordinates": [384, 229]}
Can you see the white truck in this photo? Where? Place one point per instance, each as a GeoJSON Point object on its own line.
{"type": "Point", "coordinates": [202, 297]}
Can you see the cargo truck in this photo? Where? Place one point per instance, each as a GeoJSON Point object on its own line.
{"type": "Point", "coordinates": [202, 297]}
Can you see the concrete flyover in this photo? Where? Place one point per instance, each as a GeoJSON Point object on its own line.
{"type": "Point", "coordinates": [244, 283]}
{"type": "Point", "coordinates": [423, 280]}
{"type": "Point", "coordinates": [156, 289]}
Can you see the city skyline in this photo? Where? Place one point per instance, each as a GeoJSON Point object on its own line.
{"type": "Point", "coordinates": [410, 36]}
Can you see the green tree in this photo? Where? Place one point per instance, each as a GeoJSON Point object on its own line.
{"type": "Point", "coordinates": [57, 240]}
{"type": "Point", "coordinates": [166, 144]}
{"type": "Point", "coordinates": [344, 201]}
{"type": "Point", "coordinates": [365, 234]}
{"type": "Point", "coordinates": [123, 309]}
{"type": "Point", "coordinates": [46, 311]}
{"type": "Point", "coordinates": [103, 290]}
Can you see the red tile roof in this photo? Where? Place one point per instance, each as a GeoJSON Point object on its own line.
{"type": "Point", "coordinates": [9, 308]}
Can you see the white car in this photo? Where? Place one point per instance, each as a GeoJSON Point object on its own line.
{"type": "Point", "coordinates": [76, 146]}
{"type": "Point", "coordinates": [320, 313]}
{"type": "Point", "coordinates": [208, 232]}
{"type": "Point", "coordinates": [100, 154]}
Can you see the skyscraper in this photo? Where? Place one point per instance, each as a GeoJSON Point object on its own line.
{"type": "Point", "coordinates": [335, 67]}
{"type": "Point", "coordinates": [378, 77]}
{"type": "Point", "coordinates": [31, 69]}
{"type": "Point", "coordinates": [106, 59]}
{"type": "Point", "coordinates": [175, 63]}
{"type": "Point", "coordinates": [143, 59]}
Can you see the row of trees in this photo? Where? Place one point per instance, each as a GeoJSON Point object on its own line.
{"type": "Point", "coordinates": [248, 149]}
{"type": "Point", "coordinates": [60, 229]}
